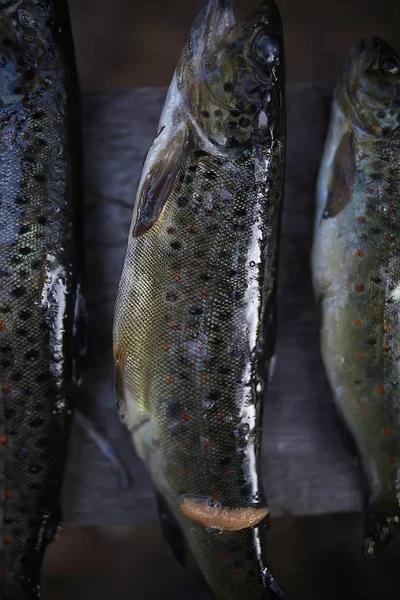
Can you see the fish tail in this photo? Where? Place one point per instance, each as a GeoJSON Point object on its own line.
{"type": "Point", "coordinates": [233, 563]}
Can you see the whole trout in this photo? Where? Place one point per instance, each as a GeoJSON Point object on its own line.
{"type": "Point", "coordinates": [40, 249]}
{"type": "Point", "coordinates": [195, 314]}
{"type": "Point", "coordinates": [356, 270]}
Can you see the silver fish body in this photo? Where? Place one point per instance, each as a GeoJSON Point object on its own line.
{"type": "Point", "coordinates": [40, 265]}
{"type": "Point", "coordinates": [356, 271]}
{"type": "Point", "coordinates": [195, 313]}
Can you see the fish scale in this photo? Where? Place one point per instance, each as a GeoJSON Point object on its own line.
{"type": "Point", "coordinates": [195, 312]}
{"type": "Point", "coordinates": [39, 266]}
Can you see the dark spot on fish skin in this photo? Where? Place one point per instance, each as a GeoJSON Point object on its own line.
{"type": "Point", "coordinates": [371, 342]}
{"type": "Point", "coordinates": [224, 370]}
{"type": "Point", "coordinates": [23, 510]}
{"type": "Point", "coordinates": [233, 125]}
{"type": "Point", "coordinates": [40, 177]}
{"type": "Point", "coordinates": [29, 74]}
{"type": "Point", "coordinates": [182, 201]}
{"type": "Point", "coordinates": [196, 310]}
{"type": "Point", "coordinates": [41, 142]}
{"type": "Point", "coordinates": [8, 43]}
{"type": "Point", "coordinates": [205, 114]}
{"type": "Point", "coordinates": [175, 245]}
{"type": "Point", "coordinates": [24, 229]}
{"type": "Point", "coordinates": [24, 561]}
{"type": "Point", "coordinates": [36, 265]}
{"type": "Point", "coordinates": [376, 230]}
{"type": "Point", "coordinates": [217, 341]}
{"type": "Point", "coordinates": [235, 113]}
{"type": "Point", "coordinates": [35, 486]}
{"type": "Point", "coordinates": [5, 362]}
{"type": "Point", "coordinates": [31, 354]}
{"type": "Point", "coordinates": [171, 296]}
{"type": "Point", "coordinates": [38, 114]}
{"type": "Point", "coordinates": [9, 412]}
{"type": "Point", "coordinates": [25, 314]}
{"type": "Point", "coordinates": [193, 168]}
{"type": "Point", "coordinates": [6, 349]}
{"type": "Point", "coordinates": [17, 90]}
{"type": "Point", "coordinates": [41, 220]}
{"type": "Point", "coordinates": [18, 292]}
{"type": "Point", "coordinates": [376, 280]}
{"type": "Point", "coordinates": [228, 87]}
{"type": "Point", "coordinates": [49, 393]}
{"type": "Point", "coordinates": [42, 443]}
{"type": "Point", "coordinates": [36, 422]}
{"type": "Point", "coordinates": [5, 310]}
{"type": "Point", "coordinates": [25, 250]}
{"type": "Point", "coordinates": [20, 200]}
{"type": "Point", "coordinates": [244, 122]}
{"type": "Point", "coordinates": [224, 462]}
{"type": "Point", "coordinates": [381, 114]}
{"type": "Point", "coordinates": [42, 377]}
{"type": "Point", "coordinates": [211, 175]}
{"type": "Point", "coordinates": [240, 212]}
{"type": "Point", "coordinates": [22, 332]}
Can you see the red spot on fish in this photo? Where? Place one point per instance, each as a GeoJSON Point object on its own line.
{"type": "Point", "coordinates": [224, 556]}
{"type": "Point", "coordinates": [359, 287]}
{"type": "Point", "coordinates": [392, 207]}
{"type": "Point", "coordinates": [2, 325]}
{"type": "Point", "coordinates": [204, 293]}
{"type": "Point", "coordinates": [175, 326]}
{"type": "Point", "coordinates": [166, 347]}
{"type": "Point", "coordinates": [177, 278]}
{"type": "Point", "coordinates": [392, 459]}
{"type": "Point", "coordinates": [357, 323]}
{"type": "Point", "coordinates": [196, 263]}
{"type": "Point", "coordinates": [381, 389]}
{"type": "Point", "coordinates": [237, 573]}
{"type": "Point", "coordinates": [361, 355]}
{"type": "Point", "coordinates": [388, 431]}
{"type": "Point", "coordinates": [360, 252]}
{"type": "Point", "coordinates": [185, 415]}
{"type": "Point", "coordinates": [206, 444]}
{"type": "Point", "coordinates": [192, 229]}
{"type": "Point", "coordinates": [228, 474]}
{"type": "Point", "coordinates": [208, 211]}
{"type": "Point", "coordinates": [361, 219]}
{"type": "Point", "coordinates": [389, 238]}
{"type": "Point", "coordinates": [177, 444]}
{"type": "Point", "coordinates": [3, 440]}
{"type": "Point", "coordinates": [184, 474]}
{"type": "Point", "coordinates": [169, 380]}
{"type": "Point", "coordinates": [384, 329]}
{"type": "Point", "coordinates": [215, 498]}
{"type": "Point", "coordinates": [5, 387]}
{"type": "Point", "coordinates": [6, 539]}
{"type": "Point", "coordinates": [386, 348]}
{"type": "Point", "coordinates": [204, 377]}
{"type": "Point", "coordinates": [8, 494]}
{"type": "Point", "coordinates": [365, 412]}
{"type": "Point", "coordinates": [220, 416]}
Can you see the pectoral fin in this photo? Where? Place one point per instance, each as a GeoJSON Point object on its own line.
{"type": "Point", "coordinates": [342, 177]}
{"type": "Point", "coordinates": [165, 159]}
{"type": "Point", "coordinates": [171, 531]}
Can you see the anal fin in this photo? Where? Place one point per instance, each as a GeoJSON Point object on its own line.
{"type": "Point", "coordinates": [172, 531]}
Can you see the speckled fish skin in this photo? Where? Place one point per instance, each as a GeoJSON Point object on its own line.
{"type": "Point", "coordinates": [40, 253]}
{"type": "Point", "coordinates": [356, 270]}
{"type": "Point", "coordinates": [194, 321]}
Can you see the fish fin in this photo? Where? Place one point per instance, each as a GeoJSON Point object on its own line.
{"type": "Point", "coordinates": [80, 339]}
{"type": "Point", "coordinates": [342, 177]}
{"type": "Point", "coordinates": [171, 531]}
{"type": "Point", "coordinates": [160, 178]}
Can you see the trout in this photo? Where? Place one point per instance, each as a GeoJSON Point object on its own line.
{"type": "Point", "coordinates": [40, 264]}
{"type": "Point", "coordinates": [356, 272]}
{"type": "Point", "coordinates": [195, 313]}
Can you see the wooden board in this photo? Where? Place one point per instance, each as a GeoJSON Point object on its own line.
{"type": "Point", "coordinates": [305, 465]}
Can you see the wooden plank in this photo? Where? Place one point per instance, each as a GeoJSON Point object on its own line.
{"type": "Point", "coordinates": [305, 466]}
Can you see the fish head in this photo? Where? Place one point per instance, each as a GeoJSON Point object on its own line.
{"type": "Point", "coordinates": [369, 92]}
{"type": "Point", "coordinates": [231, 74]}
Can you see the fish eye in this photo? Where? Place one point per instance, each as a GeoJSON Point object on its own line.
{"type": "Point", "coordinates": [390, 65]}
{"type": "Point", "coordinates": [266, 50]}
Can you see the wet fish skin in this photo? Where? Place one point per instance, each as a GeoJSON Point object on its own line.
{"type": "Point", "coordinates": [40, 265]}
{"type": "Point", "coordinates": [356, 271]}
{"type": "Point", "coordinates": [195, 313]}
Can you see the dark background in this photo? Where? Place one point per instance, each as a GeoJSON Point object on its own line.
{"type": "Point", "coordinates": [125, 44]}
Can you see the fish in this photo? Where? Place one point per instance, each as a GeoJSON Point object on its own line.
{"type": "Point", "coordinates": [42, 312]}
{"type": "Point", "coordinates": [195, 314]}
{"type": "Point", "coordinates": [356, 273]}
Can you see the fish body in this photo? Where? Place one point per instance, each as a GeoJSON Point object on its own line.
{"type": "Point", "coordinates": [40, 299]}
{"type": "Point", "coordinates": [356, 271]}
{"type": "Point", "coordinates": [195, 313]}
